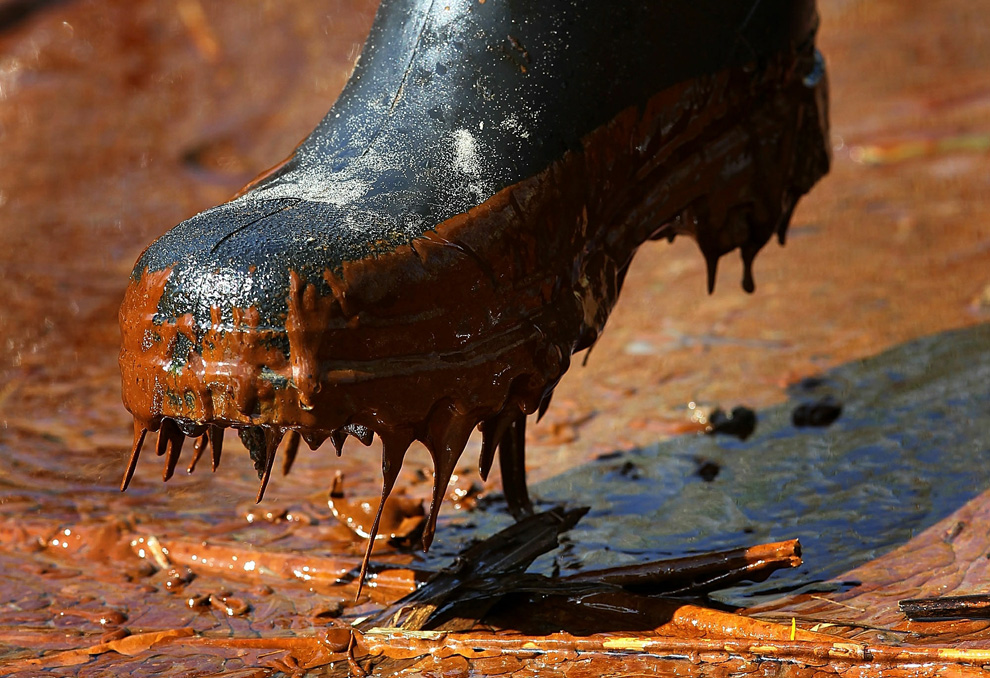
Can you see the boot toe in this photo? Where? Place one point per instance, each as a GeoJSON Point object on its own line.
{"type": "Point", "coordinates": [239, 255]}
{"type": "Point", "coordinates": [275, 312]}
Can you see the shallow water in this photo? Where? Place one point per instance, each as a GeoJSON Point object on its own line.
{"type": "Point", "coordinates": [909, 448]}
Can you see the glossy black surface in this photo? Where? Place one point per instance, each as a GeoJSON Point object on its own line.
{"type": "Point", "coordinates": [450, 103]}
{"type": "Point", "coordinates": [908, 450]}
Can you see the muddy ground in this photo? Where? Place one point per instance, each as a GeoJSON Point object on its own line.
{"type": "Point", "coordinates": [120, 118]}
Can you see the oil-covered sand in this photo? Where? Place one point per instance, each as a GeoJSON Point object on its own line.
{"type": "Point", "coordinates": [119, 119]}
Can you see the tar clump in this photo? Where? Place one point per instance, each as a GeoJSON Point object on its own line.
{"type": "Point", "coordinates": [821, 412]}
{"type": "Point", "coordinates": [707, 469]}
{"type": "Point", "coordinates": [741, 422]}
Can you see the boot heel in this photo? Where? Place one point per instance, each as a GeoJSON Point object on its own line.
{"type": "Point", "coordinates": [748, 164]}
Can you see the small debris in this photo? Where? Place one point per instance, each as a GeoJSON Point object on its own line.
{"type": "Point", "coordinates": [819, 413]}
{"type": "Point", "coordinates": [198, 600]}
{"type": "Point", "coordinates": [228, 604]}
{"type": "Point", "coordinates": [111, 618]}
{"type": "Point", "coordinates": [177, 577]}
{"type": "Point", "coordinates": [741, 422]}
{"type": "Point", "coordinates": [629, 470]}
{"type": "Point", "coordinates": [707, 469]}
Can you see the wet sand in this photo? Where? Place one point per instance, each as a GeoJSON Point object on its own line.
{"type": "Point", "coordinates": [119, 119]}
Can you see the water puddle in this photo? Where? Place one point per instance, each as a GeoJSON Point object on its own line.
{"type": "Point", "coordinates": [909, 448]}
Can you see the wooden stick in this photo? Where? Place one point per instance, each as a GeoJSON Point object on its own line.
{"type": "Point", "coordinates": [946, 607]}
{"type": "Point", "coordinates": [699, 573]}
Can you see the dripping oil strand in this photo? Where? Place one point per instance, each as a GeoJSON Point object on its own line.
{"type": "Point", "coordinates": [139, 435]}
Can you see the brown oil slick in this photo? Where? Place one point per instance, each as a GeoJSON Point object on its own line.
{"type": "Point", "coordinates": [399, 520]}
{"type": "Point", "coordinates": [877, 255]}
{"type": "Point", "coordinates": [708, 159]}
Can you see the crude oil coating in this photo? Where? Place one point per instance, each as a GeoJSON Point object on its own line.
{"type": "Point", "coordinates": [472, 320]}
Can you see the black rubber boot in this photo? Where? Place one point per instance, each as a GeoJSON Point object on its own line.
{"type": "Point", "coordinates": [461, 222]}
